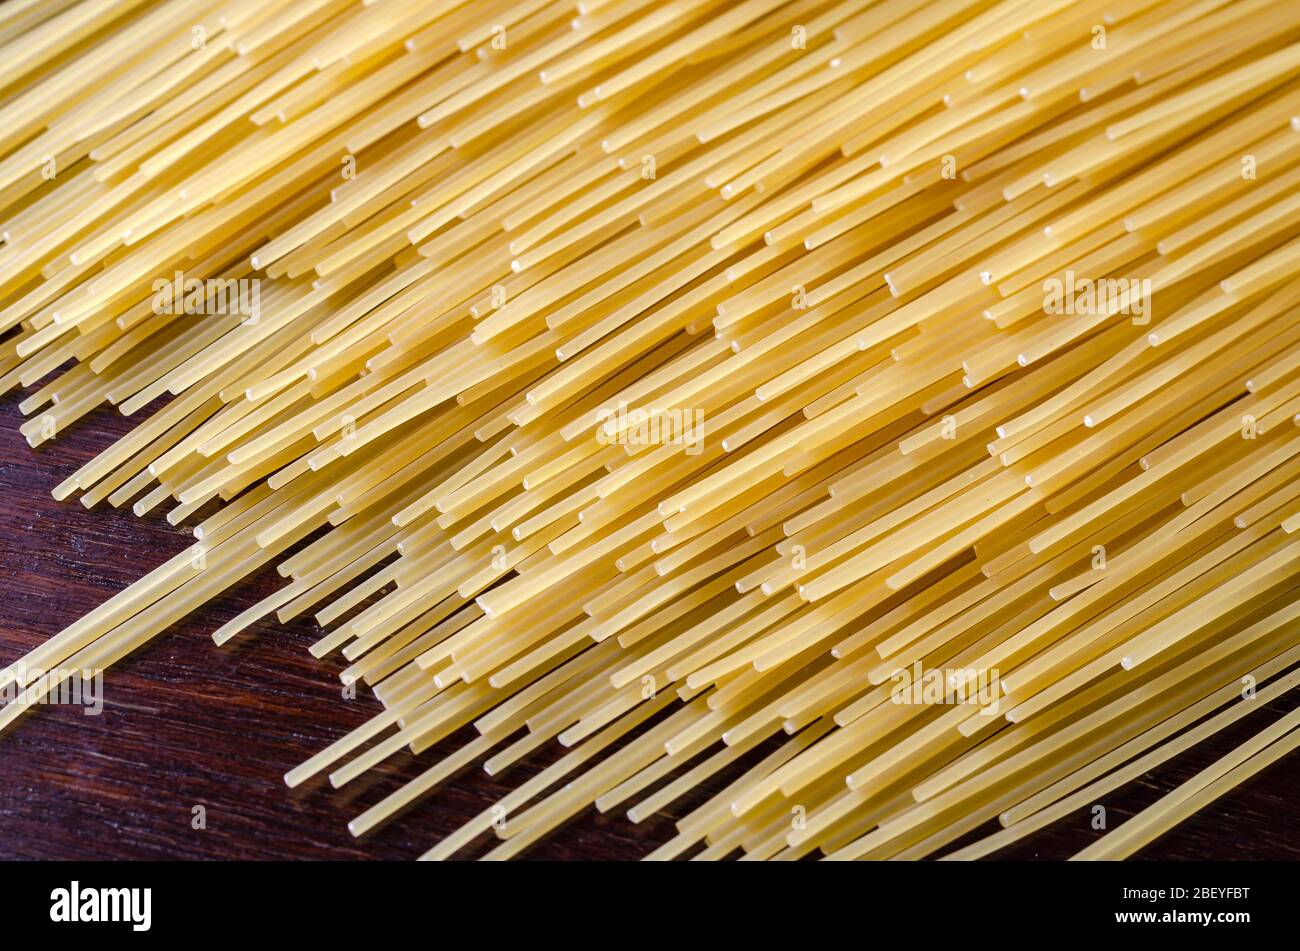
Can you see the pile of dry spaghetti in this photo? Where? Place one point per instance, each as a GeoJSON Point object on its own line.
{"type": "Point", "coordinates": [908, 389]}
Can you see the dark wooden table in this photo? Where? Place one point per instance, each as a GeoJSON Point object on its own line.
{"type": "Point", "coordinates": [188, 724]}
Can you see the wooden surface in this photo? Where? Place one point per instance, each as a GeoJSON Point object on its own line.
{"type": "Point", "coordinates": [188, 724]}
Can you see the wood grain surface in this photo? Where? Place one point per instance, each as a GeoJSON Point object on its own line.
{"type": "Point", "coordinates": [187, 724]}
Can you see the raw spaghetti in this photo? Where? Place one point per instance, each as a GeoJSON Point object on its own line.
{"type": "Point", "coordinates": [905, 392]}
